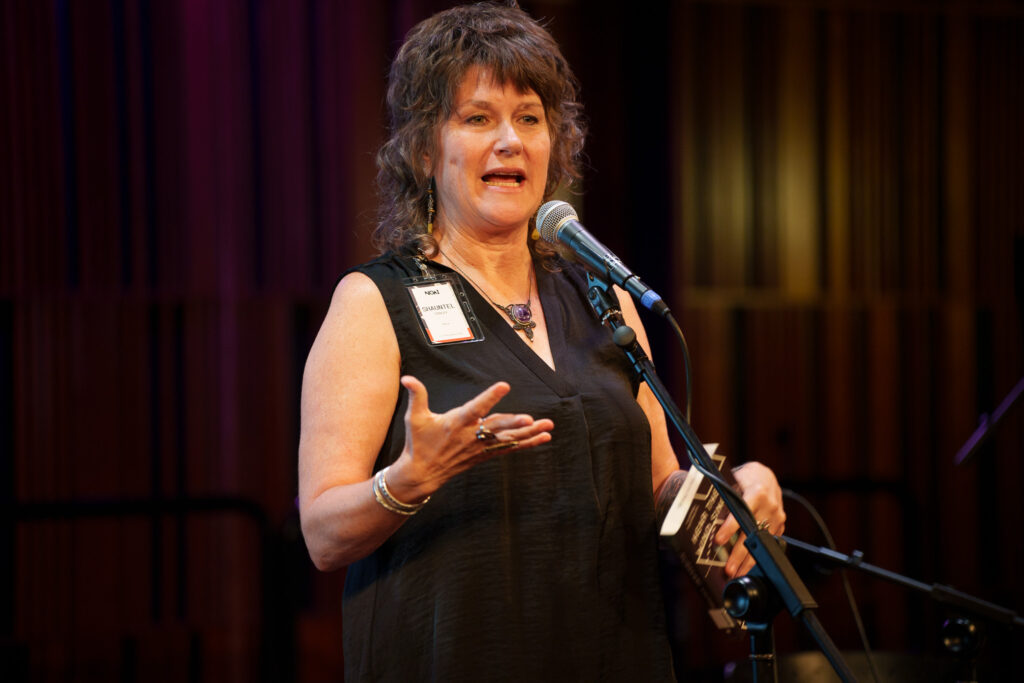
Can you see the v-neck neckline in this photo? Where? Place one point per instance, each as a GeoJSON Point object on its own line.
{"type": "Point", "coordinates": [497, 326]}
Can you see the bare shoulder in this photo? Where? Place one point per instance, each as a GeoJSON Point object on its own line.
{"type": "Point", "coordinates": [357, 314]}
{"type": "Point", "coordinates": [350, 384]}
{"type": "Point", "coordinates": [357, 294]}
{"type": "Point", "coordinates": [356, 344]}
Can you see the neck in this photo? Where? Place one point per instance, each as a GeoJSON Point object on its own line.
{"type": "Point", "coordinates": [506, 258]}
{"type": "Point", "coordinates": [498, 270]}
{"type": "Point", "coordinates": [503, 274]}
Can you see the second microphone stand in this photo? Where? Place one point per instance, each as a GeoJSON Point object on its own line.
{"type": "Point", "coordinates": [773, 583]}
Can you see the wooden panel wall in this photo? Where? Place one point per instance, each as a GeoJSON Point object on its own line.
{"type": "Point", "coordinates": [850, 237]}
{"type": "Point", "coordinates": [828, 194]}
{"type": "Point", "coordinates": [182, 184]}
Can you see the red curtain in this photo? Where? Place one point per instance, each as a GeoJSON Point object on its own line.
{"type": "Point", "coordinates": [829, 195]}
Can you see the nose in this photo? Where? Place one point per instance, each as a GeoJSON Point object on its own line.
{"type": "Point", "coordinates": [508, 141]}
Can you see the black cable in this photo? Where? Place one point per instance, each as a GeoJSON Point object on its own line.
{"type": "Point", "coordinates": [687, 375]}
{"type": "Point", "coordinates": [686, 361]}
{"type": "Point", "coordinates": [820, 522]}
{"type": "Point", "coordinates": [726, 489]}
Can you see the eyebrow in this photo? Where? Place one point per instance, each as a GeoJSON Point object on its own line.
{"type": "Point", "coordinates": [484, 104]}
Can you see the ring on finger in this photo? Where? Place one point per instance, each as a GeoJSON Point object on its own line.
{"type": "Point", "coordinates": [483, 433]}
{"type": "Point", "coordinates": [763, 525]}
{"type": "Point", "coordinates": [500, 446]}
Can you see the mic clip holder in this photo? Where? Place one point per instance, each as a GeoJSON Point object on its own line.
{"type": "Point", "coordinates": [774, 574]}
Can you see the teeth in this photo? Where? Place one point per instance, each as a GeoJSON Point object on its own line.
{"type": "Point", "coordinates": [500, 180]}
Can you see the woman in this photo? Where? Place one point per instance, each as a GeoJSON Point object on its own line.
{"type": "Point", "coordinates": [490, 489]}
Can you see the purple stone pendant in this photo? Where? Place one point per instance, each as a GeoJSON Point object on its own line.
{"type": "Point", "coordinates": [521, 317]}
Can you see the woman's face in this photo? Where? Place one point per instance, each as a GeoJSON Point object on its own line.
{"type": "Point", "coordinates": [493, 156]}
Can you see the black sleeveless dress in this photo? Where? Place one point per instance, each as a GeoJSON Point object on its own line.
{"type": "Point", "coordinates": [538, 565]}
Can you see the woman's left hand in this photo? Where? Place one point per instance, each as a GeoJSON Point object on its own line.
{"type": "Point", "coordinates": [761, 491]}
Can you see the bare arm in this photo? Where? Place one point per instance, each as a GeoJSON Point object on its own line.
{"type": "Point", "coordinates": [663, 457]}
{"type": "Point", "coordinates": [349, 391]}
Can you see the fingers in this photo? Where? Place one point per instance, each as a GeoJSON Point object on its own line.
{"type": "Point", "coordinates": [439, 446]}
{"type": "Point", "coordinates": [467, 414]}
{"type": "Point", "coordinates": [739, 553]}
{"type": "Point", "coordinates": [763, 496]}
{"type": "Point", "coordinates": [515, 432]}
{"type": "Point", "coordinates": [729, 527]}
{"type": "Point", "coordinates": [418, 401]}
{"type": "Point", "coordinates": [509, 426]}
{"type": "Point", "coordinates": [474, 411]}
{"type": "Point", "coordinates": [480, 405]}
{"type": "Point", "coordinates": [498, 429]}
{"type": "Point", "coordinates": [471, 428]}
{"type": "Point", "coordinates": [740, 561]}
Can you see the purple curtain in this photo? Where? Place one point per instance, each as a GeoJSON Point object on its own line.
{"type": "Point", "coordinates": [829, 195]}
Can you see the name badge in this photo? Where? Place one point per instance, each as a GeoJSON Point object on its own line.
{"type": "Point", "coordinates": [444, 311]}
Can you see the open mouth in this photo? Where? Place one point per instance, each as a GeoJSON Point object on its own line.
{"type": "Point", "coordinates": [503, 179]}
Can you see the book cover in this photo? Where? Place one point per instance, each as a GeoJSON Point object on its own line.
{"type": "Point", "coordinates": [691, 512]}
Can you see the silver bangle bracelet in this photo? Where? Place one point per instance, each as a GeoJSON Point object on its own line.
{"type": "Point", "coordinates": [388, 501]}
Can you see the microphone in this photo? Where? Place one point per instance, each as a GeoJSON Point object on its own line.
{"type": "Point", "coordinates": [557, 222]}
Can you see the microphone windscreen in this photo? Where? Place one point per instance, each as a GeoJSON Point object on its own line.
{"type": "Point", "coordinates": [551, 216]}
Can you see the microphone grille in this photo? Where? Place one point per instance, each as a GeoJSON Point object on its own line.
{"type": "Point", "coordinates": [551, 215]}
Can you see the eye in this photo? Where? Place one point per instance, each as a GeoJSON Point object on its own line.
{"type": "Point", "coordinates": [476, 119]}
{"type": "Point", "coordinates": [531, 119]}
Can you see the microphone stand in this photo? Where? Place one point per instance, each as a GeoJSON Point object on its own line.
{"type": "Point", "coordinates": [942, 594]}
{"type": "Point", "coordinates": [960, 637]}
{"type": "Point", "coordinates": [987, 423]}
{"type": "Point", "coordinates": [773, 583]}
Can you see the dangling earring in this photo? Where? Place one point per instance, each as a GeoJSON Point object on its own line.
{"type": "Point", "coordinates": [535, 233]}
{"type": "Point", "coordinates": [430, 207]}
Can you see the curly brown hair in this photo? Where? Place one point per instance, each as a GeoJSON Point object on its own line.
{"type": "Point", "coordinates": [421, 85]}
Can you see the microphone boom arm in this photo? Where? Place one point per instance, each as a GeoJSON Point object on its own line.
{"type": "Point", "coordinates": [772, 562]}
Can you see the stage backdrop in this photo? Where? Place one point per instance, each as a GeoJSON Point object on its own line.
{"type": "Point", "coordinates": [828, 194]}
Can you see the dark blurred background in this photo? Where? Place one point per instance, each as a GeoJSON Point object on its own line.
{"type": "Point", "coordinates": [828, 194]}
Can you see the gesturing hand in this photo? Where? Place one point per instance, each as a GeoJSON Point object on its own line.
{"type": "Point", "coordinates": [440, 445]}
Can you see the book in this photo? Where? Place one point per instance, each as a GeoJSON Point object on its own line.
{"type": "Point", "coordinates": [690, 512]}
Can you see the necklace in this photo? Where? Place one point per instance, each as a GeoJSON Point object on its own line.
{"type": "Point", "coordinates": [521, 315]}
